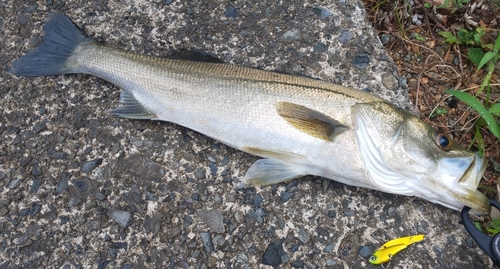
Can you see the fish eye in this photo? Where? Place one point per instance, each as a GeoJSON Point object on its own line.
{"type": "Point", "coordinates": [443, 140]}
{"type": "Point", "coordinates": [373, 258]}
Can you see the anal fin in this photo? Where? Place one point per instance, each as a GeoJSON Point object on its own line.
{"type": "Point", "coordinates": [270, 171]}
{"type": "Point", "coordinates": [132, 109]}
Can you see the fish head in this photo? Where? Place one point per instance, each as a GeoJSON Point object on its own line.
{"type": "Point", "coordinates": [404, 155]}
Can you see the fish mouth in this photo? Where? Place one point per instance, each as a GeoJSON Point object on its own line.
{"type": "Point", "coordinates": [468, 183]}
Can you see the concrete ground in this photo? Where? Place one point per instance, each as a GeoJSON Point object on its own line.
{"type": "Point", "coordinates": [81, 188]}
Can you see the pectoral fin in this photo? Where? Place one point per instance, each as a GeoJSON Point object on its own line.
{"type": "Point", "coordinates": [132, 109]}
{"type": "Point", "coordinates": [272, 154]}
{"type": "Point", "coordinates": [310, 121]}
{"type": "Point", "coordinates": [270, 171]}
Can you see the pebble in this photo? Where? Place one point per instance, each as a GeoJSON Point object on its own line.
{"type": "Point", "coordinates": [88, 166]}
{"type": "Point", "coordinates": [321, 12]}
{"type": "Point", "coordinates": [345, 36]}
{"type": "Point", "coordinates": [304, 236]}
{"type": "Point", "coordinates": [14, 183]}
{"type": "Point", "coordinates": [35, 186]}
{"type": "Point", "coordinates": [328, 248]}
{"type": "Point", "coordinates": [206, 239]}
{"type": "Point", "coordinates": [257, 200]}
{"type": "Point", "coordinates": [36, 170]}
{"type": "Point", "coordinates": [150, 196]}
{"type": "Point", "coordinates": [291, 35]}
{"type": "Point", "coordinates": [366, 251]}
{"type": "Point", "coordinates": [123, 218]}
{"type": "Point", "coordinates": [273, 253]}
{"type": "Point", "coordinates": [330, 262]}
{"type": "Point", "coordinates": [231, 12]}
{"type": "Point", "coordinates": [320, 47]}
{"type": "Point", "coordinates": [24, 212]}
{"type": "Point", "coordinates": [213, 218]}
{"type": "Point", "coordinates": [332, 214]}
{"type": "Point", "coordinates": [285, 196]}
{"type": "Point", "coordinates": [81, 185]}
{"type": "Point", "coordinates": [57, 155]}
{"type": "Point", "coordinates": [361, 61]}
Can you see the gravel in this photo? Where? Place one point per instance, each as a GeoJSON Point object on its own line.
{"type": "Point", "coordinates": [81, 188]}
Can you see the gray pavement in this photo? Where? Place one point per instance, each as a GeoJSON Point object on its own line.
{"type": "Point", "coordinates": [81, 188]}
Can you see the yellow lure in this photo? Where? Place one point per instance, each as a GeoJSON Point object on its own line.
{"type": "Point", "coordinates": [392, 247]}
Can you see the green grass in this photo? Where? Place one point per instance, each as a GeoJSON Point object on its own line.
{"type": "Point", "coordinates": [482, 55]}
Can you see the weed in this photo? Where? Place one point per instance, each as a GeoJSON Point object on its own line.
{"type": "Point", "coordinates": [480, 54]}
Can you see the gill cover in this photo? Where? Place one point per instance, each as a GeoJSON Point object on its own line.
{"type": "Point", "coordinates": [403, 155]}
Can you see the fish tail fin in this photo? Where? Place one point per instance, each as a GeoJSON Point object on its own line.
{"type": "Point", "coordinates": [60, 39]}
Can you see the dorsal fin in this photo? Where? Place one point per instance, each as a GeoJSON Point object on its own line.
{"type": "Point", "coordinates": [310, 121]}
{"type": "Point", "coordinates": [195, 55]}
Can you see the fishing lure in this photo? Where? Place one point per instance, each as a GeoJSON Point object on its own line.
{"type": "Point", "coordinates": [392, 247]}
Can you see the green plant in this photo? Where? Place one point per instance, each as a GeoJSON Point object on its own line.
{"type": "Point", "coordinates": [480, 54]}
{"type": "Point", "coordinates": [419, 37]}
{"type": "Point", "coordinates": [438, 111]}
{"type": "Point", "coordinates": [487, 114]}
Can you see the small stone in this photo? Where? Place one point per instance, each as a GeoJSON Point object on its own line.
{"type": "Point", "coordinates": [152, 224]}
{"type": "Point", "coordinates": [81, 185]}
{"type": "Point", "coordinates": [14, 183]}
{"type": "Point", "coordinates": [304, 236]}
{"type": "Point", "coordinates": [320, 47]}
{"type": "Point", "coordinates": [150, 196]}
{"type": "Point", "coordinates": [285, 196]}
{"type": "Point", "coordinates": [99, 196]}
{"type": "Point", "coordinates": [31, 8]}
{"type": "Point", "coordinates": [123, 218]}
{"type": "Point", "coordinates": [328, 248]}
{"type": "Point", "coordinates": [384, 38]}
{"type": "Point", "coordinates": [332, 214]}
{"type": "Point", "coordinates": [298, 264]}
{"type": "Point", "coordinates": [349, 213]}
{"type": "Point", "coordinates": [120, 245]}
{"type": "Point", "coordinates": [330, 262]}
{"type": "Point", "coordinates": [200, 173]}
{"type": "Point", "coordinates": [61, 187]}
{"type": "Point", "coordinates": [36, 170]}
{"type": "Point", "coordinates": [39, 126]}
{"type": "Point", "coordinates": [361, 61]}
{"type": "Point", "coordinates": [257, 200]}
{"type": "Point", "coordinates": [35, 209]}
{"type": "Point", "coordinates": [231, 12]}
{"type": "Point", "coordinates": [206, 239]}
{"type": "Point", "coordinates": [74, 201]}
{"type": "Point", "coordinates": [57, 155]}
{"type": "Point", "coordinates": [291, 35]}
{"type": "Point", "coordinates": [35, 186]}
{"type": "Point", "coordinates": [187, 220]}
{"type": "Point", "coordinates": [366, 251]}
{"type": "Point", "coordinates": [87, 167]}
{"type": "Point", "coordinates": [213, 169]}
{"type": "Point", "coordinates": [345, 36]}
{"type": "Point", "coordinates": [63, 220]}
{"type": "Point", "coordinates": [24, 212]}
{"type": "Point", "coordinates": [213, 218]}
{"type": "Point", "coordinates": [321, 12]}
{"type": "Point", "coordinates": [273, 253]}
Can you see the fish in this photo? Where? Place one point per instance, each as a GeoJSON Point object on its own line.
{"type": "Point", "coordinates": [298, 125]}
